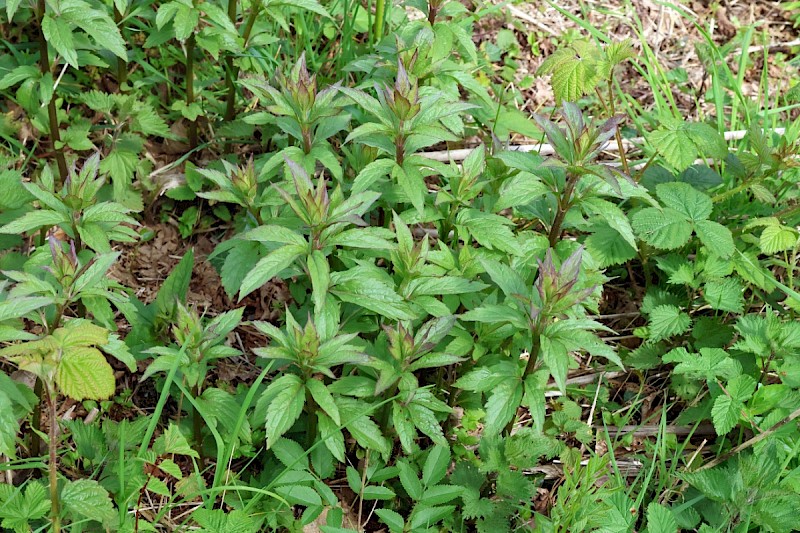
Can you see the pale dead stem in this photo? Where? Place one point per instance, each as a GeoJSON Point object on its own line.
{"type": "Point", "coordinates": [546, 149]}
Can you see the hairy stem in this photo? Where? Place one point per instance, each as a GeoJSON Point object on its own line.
{"type": "Point", "coordinates": [311, 421]}
{"type": "Point", "coordinates": [232, 72]}
{"type": "Point", "coordinates": [190, 42]}
{"type": "Point", "coordinates": [564, 202]}
{"type": "Point", "coordinates": [36, 421]}
{"type": "Point", "coordinates": [52, 115]}
{"type": "Point", "coordinates": [380, 13]}
{"type": "Point", "coordinates": [400, 147]}
{"type": "Point", "coordinates": [55, 507]}
{"type": "Point", "coordinates": [197, 426]}
{"type": "Point", "coordinates": [533, 358]}
{"type": "Point", "coordinates": [122, 65]}
{"type": "Point", "coordinates": [230, 98]}
{"type": "Point", "coordinates": [617, 134]}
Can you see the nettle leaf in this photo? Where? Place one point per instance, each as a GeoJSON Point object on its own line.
{"type": "Point", "coordinates": [725, 294]}
{"type": "Point", "coordinates": [521, 189]}
{"type": "Point", "coordinates": [665, 229]}
{"type": "Point", "coordinates": [608, 247]}
{"type": "Point", "coordinates": [11, 8]}
{"type": "Point", "coordinates": [33, 220]}
{"type": "Point", "coordinates": [320, 273]}
{"type": "Point", "coordinates": [332, 435]}
{"type": "Point", "coordinates": [491, 231]}
{"type": "Point", "coordinates": [436, 465]}
{"type": "Point", "coordinates": [680, 142]}
{"type": "Point", "coordinates": [324, 399]}
{"type": "Point", "coordinates": [88, 499]}
{"type": "Point", "coordinates": [660, 519]}
{"type": "Point", "coordinates": [667, 321]}
{"type": "Point", "coordinates": [375, 295]}
{"type": "Point", "coordinates": [715, 237]}
{"type": "Point", "coordinates": [685, 199]}
{"type": "Point", "coordinates": [614, 217]}
{"type": "Point", "coordinates": [9, 426]}
{"type": "Point", "coordinates": [371, 173]}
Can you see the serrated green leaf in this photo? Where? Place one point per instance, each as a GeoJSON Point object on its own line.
{"type": "Point", "coordinates": [11, 8]}
{"type": "Point", "coordinates": [502, 405]}
{"type": "Point", "coordinates": [83, 373]}
{"type": "Point", "coordinates": [777, 238]}
{"type": "Point", "coordinates": [521, 189]}
{"type": "Point", "coordinates": [59, 35]}
{"type": "Point", "coordinates": [375, 492]}
{"type": "Point", "coordinates": [436, 465]}
{"type": "Point", "coordinates": [290, 454]}
{"type": "Point", "coordinates": [88, 499]}
{"type": "Point", "coordinates": [614, 217]}
{"type": "Point", "coordinates": [392, 519]}
{"type": "Point", "coordinates": [374, 295]}
{"type": "Point", "coordinates": [299, 495]}
{"type": "Point", "coordinates": [33, 220]}
{"type": "Point", "coordinates": [372, 173]}
{"type": "Point", "coordinates": [667, 321]}
{"type": "Point", "coordinates": [685, 199]}
{"type": "Point", "coordinates": [270, 266]}
{"type": "Point", "coordinates": [491, 231]}
{"type": "Point", "coordinates": [320, 273]}
{"type": "Point", "coordinates": [9, 427]}
{"type": "Point", "coordinates": [334, 439]}
{"type": "Point", "coordinates": [608, 247]}
{"type": "Point", "coordinates": [286, 406]}
{"type": "Point", "coordinates": [725, 294]}
{"type": "Point", "coordinates": [324, 399]}
{"type": "Point", "coordinates": [660, 519]}
{"type": "Point", "coordinates": [574, 71]}
{"type": "Point", "coordinates": [172, 441]}
{"type": "Point", "coordinates": [665, 229]}
{"type": "Point", "coordinates": [715, 237]}
{"type": "Point", "coordinates": [725, 414]}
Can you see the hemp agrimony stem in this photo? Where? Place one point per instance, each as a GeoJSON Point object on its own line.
{"type": "Point", "coordinates": [190, 43]}
{"type": "Point", "coordinates": [564, 202]}
{"type": "Point", "coordinates": [230, 98]}
{"type": "Point", "coordinates": [52, 114]}
{"type": "Point", "coordinates": [55, 507]}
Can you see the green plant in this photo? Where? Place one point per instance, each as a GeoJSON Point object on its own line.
{"type": "Point", "coordinates": [60, 25]}
{"type": "Point", "coordinates": [201, 344]}
{"type": "Point", "coordinates": [423, 324]}
{"type": "Point", "coordinates": [409, 118]}
{"type": "Point", "coordinates": [69, 361]}
{"type": "Point", "coordinates": [75, 210]}
{"type": "Point", "coordinates": [311, 351]}
{"type": "Point", "coordinates": [303, 113]}
{"type": "Point", "coordinates": [545, 321]}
